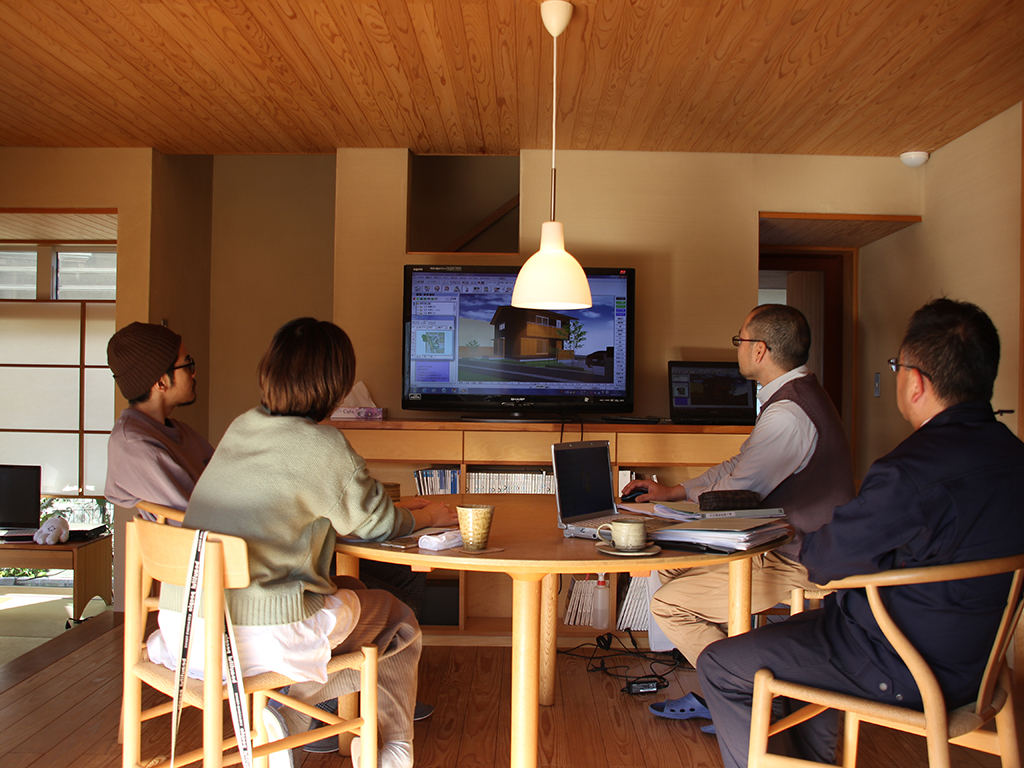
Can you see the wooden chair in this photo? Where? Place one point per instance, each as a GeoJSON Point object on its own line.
{"type": "Point", "coordinates": [799, 601]}
{"type": "Point", "coordinates": [163, 552]}
{"type": "Point", "coordinates": [160, 512]}
{"type": "Point", "coordinates": [940, 727]}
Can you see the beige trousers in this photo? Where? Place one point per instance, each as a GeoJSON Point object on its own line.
{"type": "Point", "coordinates": [693, 602]}
{"type": "Point", "coordinates": [389, 624]}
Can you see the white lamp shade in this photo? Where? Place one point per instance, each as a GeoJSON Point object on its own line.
{"type": "Point", "coordinates": [555, 14]}
{"type": "Point", "coordinates": [551, 278]}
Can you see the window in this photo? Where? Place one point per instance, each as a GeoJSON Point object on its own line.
{"type": "Point", "coordinates": [86, 274]}
{"type": "Point", "coordinates": [74, 273]}
{"type": "Point", "coordinates": [58, 403]}
{"type": "Point", "coordinates": [18, 274]}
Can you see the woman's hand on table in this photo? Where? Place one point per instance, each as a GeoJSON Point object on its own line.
{"type": "Point", "coordinates": [431, 514]}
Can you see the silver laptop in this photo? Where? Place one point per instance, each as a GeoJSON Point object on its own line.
{"type": "Point", "coordinates": [19, 501]}
{"type": "Point", "coordinates": [584, 489]}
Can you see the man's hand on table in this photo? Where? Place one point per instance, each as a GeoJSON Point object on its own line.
{"type": "Point", "coordinates": [654, 491]}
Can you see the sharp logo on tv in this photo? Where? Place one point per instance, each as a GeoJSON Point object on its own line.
{"type": "Point", "coordinates": [467, 348]}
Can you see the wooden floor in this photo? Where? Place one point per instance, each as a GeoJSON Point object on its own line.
{"type": "Point", "coordinates": [59, 707]}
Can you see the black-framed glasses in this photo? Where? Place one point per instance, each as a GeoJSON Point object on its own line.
{"type": "Point", "coordinates": [895, 365]}
{"type": "Point", "coordinates": [736, 341]}
{"type": "Point", "coordinates": [189, 363]}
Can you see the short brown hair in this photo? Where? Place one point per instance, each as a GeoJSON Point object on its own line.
{"type": "Point", "coordinates": [308, 369]}
{"type": "Point", "coordinates": [784, 329]}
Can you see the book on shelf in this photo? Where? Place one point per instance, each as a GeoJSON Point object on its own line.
{"type": "Point", "coordinates": [634, 610]}
{"type": "Point", "coordinates": [532, 480]}
{"type": "Point", "coordinates": [436, 481]}
{"type": "Point", "coordinates": [579, 602]}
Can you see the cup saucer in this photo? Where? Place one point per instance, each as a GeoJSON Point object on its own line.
{"type": "Point", "coordinates": [607, 549]}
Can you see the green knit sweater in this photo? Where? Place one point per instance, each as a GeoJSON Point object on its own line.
{"type": "Point", "coordinates": [287, 486]}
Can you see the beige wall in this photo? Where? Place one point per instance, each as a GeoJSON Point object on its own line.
{"type": "Point", "coordinates": [967, 247]}
{"type": "Point", "coordinates": [272, 261]}
{"type": "Point", "coordinates": [180, 264]}
{"type": "Point", "coordinates": [687, 222]}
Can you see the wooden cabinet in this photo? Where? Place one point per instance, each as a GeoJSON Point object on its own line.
{"type": "Point", "coordinates": [394, 449]}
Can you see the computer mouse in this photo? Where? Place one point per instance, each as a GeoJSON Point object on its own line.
{"type": "Point", "coordinates": [632, 495]}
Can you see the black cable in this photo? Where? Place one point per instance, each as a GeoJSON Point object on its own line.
{"type": "Point", "coordinates": [654, 681]}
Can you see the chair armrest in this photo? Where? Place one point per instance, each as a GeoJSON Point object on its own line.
{"type": "Point", "coordinates": [929, 574]}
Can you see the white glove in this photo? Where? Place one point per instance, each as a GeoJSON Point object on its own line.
{"type": "Point", "coordinates": [446, 540]}
{"type": "Point", "coordinates": [52, 531]}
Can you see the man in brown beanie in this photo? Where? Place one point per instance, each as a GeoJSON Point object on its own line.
{"type": "Point", "coordinates": [150, 456]}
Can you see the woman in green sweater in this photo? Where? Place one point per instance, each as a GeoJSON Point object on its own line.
{"type": "Point", "coordinates": [289, 486]}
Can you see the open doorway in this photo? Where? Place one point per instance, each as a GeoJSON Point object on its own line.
{"type": "Point", "coordinates": [819, 284]}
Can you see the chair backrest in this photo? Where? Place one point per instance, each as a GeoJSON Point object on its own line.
{"type": "Point", "coordinates": [165, 552]}
{"type": "Point", "coordinates": [936, 573]}
{"type": "Point", "coordinates": [161, 512]}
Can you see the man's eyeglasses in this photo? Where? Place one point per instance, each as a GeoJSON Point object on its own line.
{"type": "Point", "coordinates": [736, 341]}
{"type": "Point", "coordinates": [895, 365]}
{"type": "Point", "coordinates": [189, 363]}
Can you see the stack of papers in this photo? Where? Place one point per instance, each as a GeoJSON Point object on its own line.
{"type": "Point", "coordinates": [735, 533]}
{"type": "Point", "coordinates": [689, 510]}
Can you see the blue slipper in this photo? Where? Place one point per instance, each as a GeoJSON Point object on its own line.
{"type": "Point", "coordinates": [690, 705]}
{"type": "Point", "coordinates": [709, 729]}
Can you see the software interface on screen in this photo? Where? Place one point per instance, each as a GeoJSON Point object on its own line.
{"type": "Point", "coordinates": [466, 338]}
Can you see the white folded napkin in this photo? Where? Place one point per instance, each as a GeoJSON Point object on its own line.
{"type": "Point", "coordinates": [446, 540]}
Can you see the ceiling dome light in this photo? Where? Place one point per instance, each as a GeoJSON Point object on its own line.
{"type": "Point", "coordinates": [914, 159]}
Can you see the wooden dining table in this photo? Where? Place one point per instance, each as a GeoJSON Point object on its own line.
{"type": "Point", "coordinates": [526, 544]}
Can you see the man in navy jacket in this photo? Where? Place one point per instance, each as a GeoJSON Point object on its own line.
{"type": "Point", "coordinates": [948, 493]}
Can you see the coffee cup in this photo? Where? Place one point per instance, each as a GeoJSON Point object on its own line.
{"type": "Point", "coordinates": [475, 525]}
{"type": "Point", "coordinates": [627, 535]}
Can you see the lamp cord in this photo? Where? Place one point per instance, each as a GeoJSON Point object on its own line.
{"type": "Point", "coordinates": [554, 113]}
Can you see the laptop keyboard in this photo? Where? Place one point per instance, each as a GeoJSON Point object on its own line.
{"type": "Point", "coordinates": [18, 532]}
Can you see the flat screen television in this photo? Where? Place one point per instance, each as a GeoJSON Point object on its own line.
{"type": "Point", "coordinates": [466, 348]}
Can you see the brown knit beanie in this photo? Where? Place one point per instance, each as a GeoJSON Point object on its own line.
{"type": "Point", "coordinates": [139, 354]}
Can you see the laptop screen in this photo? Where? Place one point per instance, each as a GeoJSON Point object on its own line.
{"type": "Point", "coordinates": [583, 479]}
{"type": "Point", "coordinates": [19, 496]}
{"type": "Point", "coordinates": [710, 393]}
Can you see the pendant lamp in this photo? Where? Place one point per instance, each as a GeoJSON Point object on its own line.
{"type": "Point", "coordinates": [552, 278]}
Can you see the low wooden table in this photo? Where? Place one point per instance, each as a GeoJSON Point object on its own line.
{"type": "Point", "coordinates": [91, 561]}
{"type": "Point", "coordinates": [534, 552]}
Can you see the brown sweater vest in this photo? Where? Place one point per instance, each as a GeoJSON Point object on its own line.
{"type": "Point", "coordinates": [810, 495]}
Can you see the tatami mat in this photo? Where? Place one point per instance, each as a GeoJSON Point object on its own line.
{"type": "Point", "coordinates": [29, 616]}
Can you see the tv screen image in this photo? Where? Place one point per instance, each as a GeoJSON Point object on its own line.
{"type": "Point", "coordinates": [466, 348]}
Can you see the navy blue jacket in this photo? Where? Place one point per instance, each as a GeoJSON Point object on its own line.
{"type": "Point", "coordinates": [951, 492]}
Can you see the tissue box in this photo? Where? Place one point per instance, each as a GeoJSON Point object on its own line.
{"type": "Point", "coordinates": [364, 413]}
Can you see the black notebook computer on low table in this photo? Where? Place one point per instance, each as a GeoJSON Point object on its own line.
{"type": "Point", "coordinates": [19, 502]}
{"type": "Point", "coordinates": [584, 489]}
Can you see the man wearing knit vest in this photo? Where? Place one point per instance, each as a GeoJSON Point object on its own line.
{"type": "Point", "coordinates": [797, 457]}
{"type": "Point", "coordinates": [150, 456]}
{"type": "Point", "coordinates": [949, 493]}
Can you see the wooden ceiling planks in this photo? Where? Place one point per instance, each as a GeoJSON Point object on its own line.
{"type": "Point", "coordinates": [820, 230]}
{"type": "Point", "coordinates": [845, 77]}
